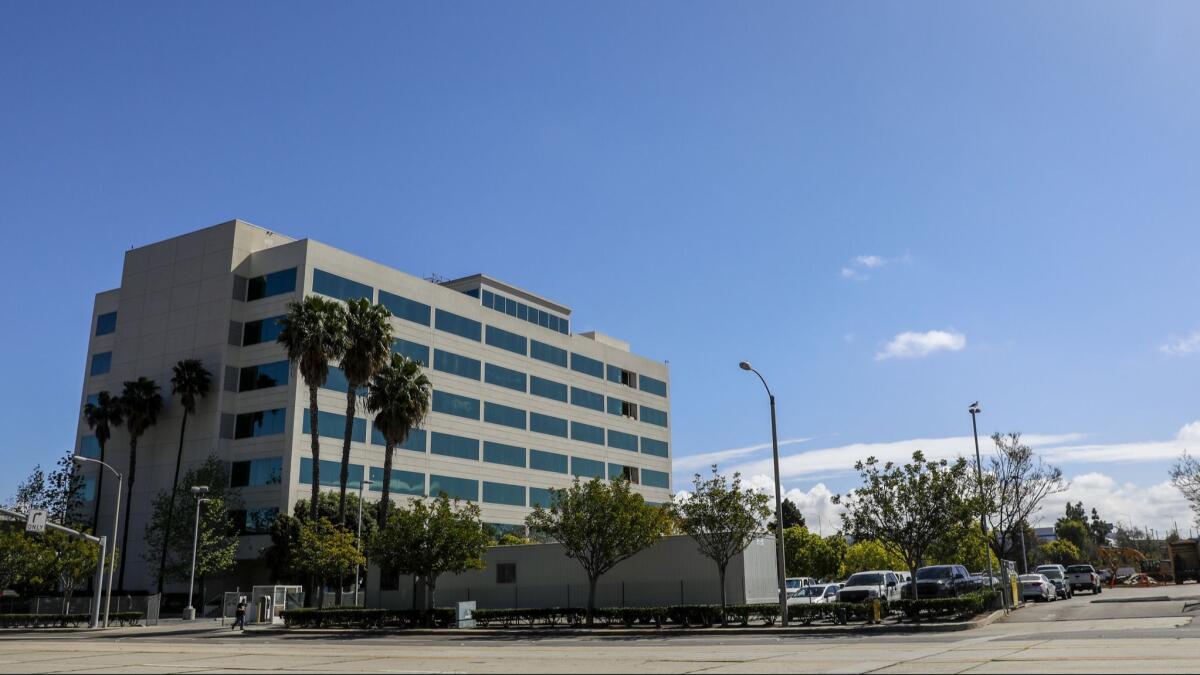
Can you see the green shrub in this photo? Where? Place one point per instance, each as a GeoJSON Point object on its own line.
{"type": "Point", "coordinates": [65, 620]}
{"type": "Point", "coordinates": [963, 606]}
{"type": "Point", "coordinates": [365, 618]}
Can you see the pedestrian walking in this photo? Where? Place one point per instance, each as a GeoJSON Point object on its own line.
{"type": "Point", "coordinates": [240, 621]}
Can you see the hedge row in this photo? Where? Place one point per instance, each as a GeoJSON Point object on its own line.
{"type": "Point", "coordinates": [359, 617]}
{"type": "Point", "coordinates": [681, 615]}
{"type": "Point", "coordinates": [840, 613]}
{"type": "Point", "coordinates": [63, 620]}
{"type": "Point", "coordinates": [938, 608]}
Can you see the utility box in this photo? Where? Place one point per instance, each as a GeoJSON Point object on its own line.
{"type": "Point", "coordinates": [1185, 559]}
{"type": "Point", "coordinates": [464, 617]}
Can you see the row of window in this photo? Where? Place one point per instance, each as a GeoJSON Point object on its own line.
{"type": "Point", "coordinates": [469, 489]}
{"type": "Point", "coordinates": [106, 323]}
{"type": "Point", "coordinates": [522, 311]}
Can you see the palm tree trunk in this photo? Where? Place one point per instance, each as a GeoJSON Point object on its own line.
{"type": "Point", "coordinates": [345, 476]}
{"type": "Point", "coordinates": [128, 510]}
{"type": "Point", "coordinates": [99, 491]}
{"type": "Point", "coordinates": [385, 501]}
{"type": "Point", "coordinates": [162, 559]}
{"type": "Point", "coordinates": [316, 450]}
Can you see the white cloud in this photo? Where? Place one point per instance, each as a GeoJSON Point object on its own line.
{"type": "Point", "coordinates": [870, 261]}
{"type": "Point", "coordinates": [1188, 437]}
{"type": "Point", "coordinates": [860, 266]}
{"type": "Point", "coordinates": [1158, 506]}
{"type": "Point", "coordinates": [702, 462]}
{"type": "Point", "coordinates": [1182, 346]}
{"type": "Point", "coordinates": [910, 345]}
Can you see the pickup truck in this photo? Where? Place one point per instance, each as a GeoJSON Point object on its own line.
{"type": "Point", "coordinates": [1080, 577]}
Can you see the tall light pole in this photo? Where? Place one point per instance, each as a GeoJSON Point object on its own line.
{"type": "Point", "coordinates": [975, 410]}
{"type": "Point", "coordinates": [116, 523]}
{"type": "Point", "coordinates": [189, 612]}
{"type": "Point", "coordinates": [779, 563]}
{"type": "Point", "coordinates": [358, 568]}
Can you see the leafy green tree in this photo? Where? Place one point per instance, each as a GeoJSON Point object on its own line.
{"type": "Point", "coordinates": [367, 346]}
{"type": "Point", "coordinates": [172, 529]}
{"type": "Point", "coordinates": [430, 538]}
{"type": "Point", "coordinates": [598, 524]}
{"type": "Point", "coordinates": [189, 382]}
{"type": "Point", "coordinates": [140, 404]}
{"type": "Point", "coordinates": [910, 507]}
{"type": "Point", "coordinates": [791, 516]}
{"type": "Point", "coordinates": [808, 554]}
{"type": "Point", "coordinates": [21, 559]}
{"type": "Point", "coordinates": [1016, 482]}
{"type": "Point", "coordinates": [59, 492]}
{"type": "Point", "coordinates": [284, 550]}
{"type": "Point", "coordinates": [1074, 531]}
{"type": "Point", "coordinates": [312, 333]}
{"type": "Point", "coordinates": [863, 556]}
{"type": "Point", "coordinates": [511, 539]}
{"type": "Point", "coordinates": [102, 417]}
{"type": "Point", "coordinates": [399, 396]}
{"type": "Point", "coordinates": [1099, 529]}
{"type": "Point", "coordinates": [964, 544]}
{"type": "Point", "coordinates": [1076, 512]}
{"type": "Point", "coordinates": [723, 519]}
{"type": "Point", "coordinates": [70, 560]}
{"type": "Point", "coordinates": [330, 551]}
{"type": "Point", "coordinates": [1059, 552]}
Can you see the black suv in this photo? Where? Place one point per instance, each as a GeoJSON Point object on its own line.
{"type": "Point", "coordinates": [944, 581]}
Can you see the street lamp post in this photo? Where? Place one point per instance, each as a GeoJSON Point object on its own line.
{"type": "Point", "coordinates": [358, 568]}
{"type": "Point", "coordinates": [779, 563]}
{"type": "Point", "coordinates": [975, 410]}
{"type": "Point", "coordinates": [189, 612]}
{"type": "Point", "coordinates": [116, 523]}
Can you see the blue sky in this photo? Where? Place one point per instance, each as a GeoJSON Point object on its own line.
{"type": "Point", "coordinates": [797, 184]}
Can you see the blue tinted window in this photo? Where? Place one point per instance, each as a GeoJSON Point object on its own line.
{"type": "Point", "coordinates": [413, 350]}
{"type": "Point", "coordinates": [454, 364]}
{"type": "Point", "coordinates": [587, 433]}
{"type": "Point", "coordinates": [587, 366]}
{"type": "Point", "coordinates": [503, 493]}
{"type": "Point", "coordinates": [88, 488]}
{"type": "Point", "coordinates": [106, 323]}
{"type": "Point", "coordinates": [261, 423]}
{"type": "Point", "coordinates": [619, 470]}
{"type": "Point", "coordinates": [94, 399]}
{"type": "Point", "coordinates": [455, 488]}
{"type": "Point", "coordinates": [414, 442]}
{"type": "Point", "coordinates": [256, 472]}
{"type": "Point", "coordinates": [587, 468]}
{"type": "Point", "coordinates": [502, 414]}
{"type": "Point", "coordinates": [275, 283]}
{"type": "Point", "coordinates": [587, 399]}
{"type": "Point", "coordinates": [453, 446]}
{"type": "Point", "coordinates": [459, 325]}
{"type": "Point", "coordinates": [263, 376]}
{"type": "Point", "coordinates": [263, 330]}
{"type": "Point", "coordinates": [331, 473]}
{"type": "Point", "coordinates": [101, 363]}
{"type": "Point", "coordinates": [403, 482]}
{"type": "Point", "coordinates": [547, 388]}
{"type": "Point", "coordinates": [654, 416]}
{"type": "Point", "coordinates": [547, 461]}
{"type": "Point", "coordinates": [453, 404]}
{"type": "Point", "coordinates": [653, 447]}
{"type": "Point", "coordinates": [540, 497]}
{"type": "Point", "coordinates": [333, 425]}
{"type": "Point", "coordinates": [503, 377]}
{"type": "Point", "coordinates": [544, 352]}
{"type": "Point", "coordinates": [409, 310]}
{"type": "Point", "coordinates": [545, 424]}
{"type": "Point", "coordinates": [525, 312]}
{"type": "Point", "coordinates": [499, 453]}
{"type": "Point", "coordinates": [649, 384]}
{"type": "Point", "coordinates": [622, 440]}
{"type": "Point", "coordinates": [341, 288]}
{"type": "Point", "coordinates": [503, 339]}
{"type": "Point", "coordinates": [254, 521]}
{"type": "Point", "coordinates": [89, 447]}
{"type": "Point", "coordinates": [658, 479]}
{"type": "Point", "coordinates": [336, 381]}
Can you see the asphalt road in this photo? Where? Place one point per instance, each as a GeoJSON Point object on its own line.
{"type": "Point", "coordinates": [1129, 630]}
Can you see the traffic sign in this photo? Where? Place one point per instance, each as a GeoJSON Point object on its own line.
{"type": "Point", "coordinates": [36, 520]}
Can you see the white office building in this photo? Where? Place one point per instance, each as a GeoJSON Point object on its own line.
{"type": "Point", "coordinates": [520, 403]}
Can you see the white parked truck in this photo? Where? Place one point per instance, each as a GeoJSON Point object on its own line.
{"type": "Point", "coordinates": [1083, 577]}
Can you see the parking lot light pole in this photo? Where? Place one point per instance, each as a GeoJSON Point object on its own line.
{"type": "Point", "coordinates": [189, 612]}
{"type": "Point", "coordinates": [358, 568]}
{"type": "Point", "coordinates": [779, 564]}
{"type": "Point", "coordinates": [116, 523]}
{"type": "Point", "coordinates": [987, 553]}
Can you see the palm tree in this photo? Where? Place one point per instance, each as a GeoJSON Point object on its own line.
{"type": "Point", "coordinates": [140, 404]}
{"type": "Point", "coordinates": [102, 417]}
{"type": "Point", "coordinates": [312, 335]}
{"type": "Point", "coordinates": [399, 396]}
{"type": "Point", "coordinates": [368, 343]}
{"type": "Point", "coordinates": [190, 381]}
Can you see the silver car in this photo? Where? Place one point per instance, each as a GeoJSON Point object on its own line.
{"type": "Point", "coordinates": [813, 595]}
{"type": "Point", "coordinates": [1038, 587]}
